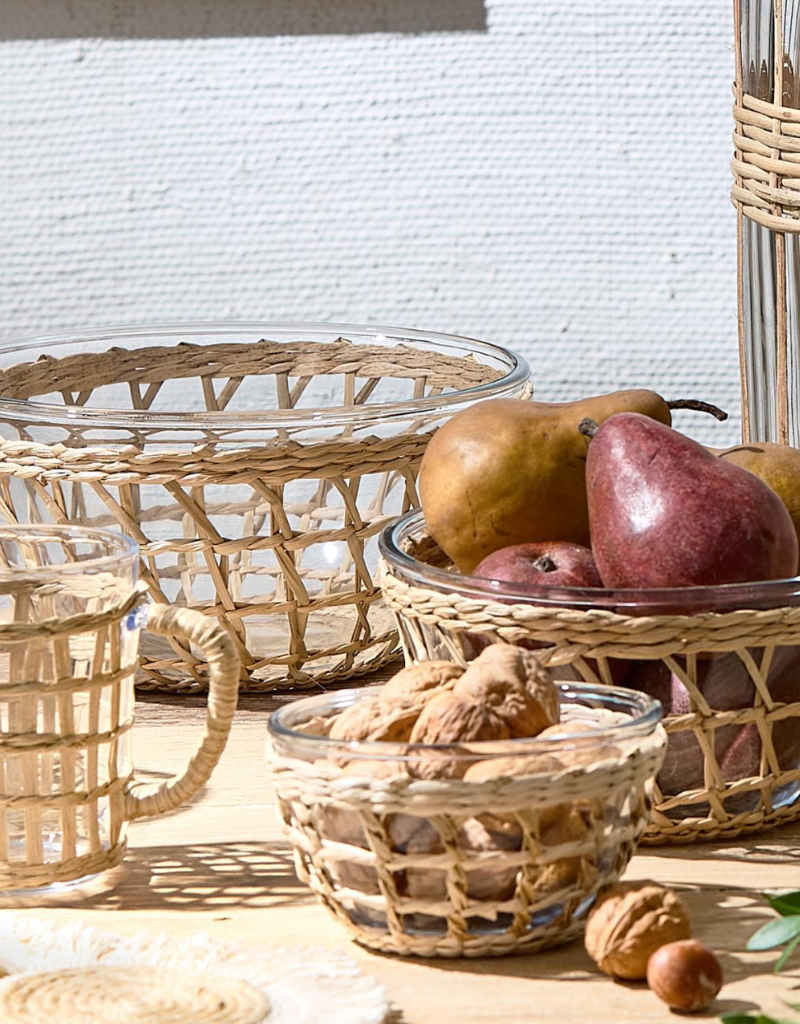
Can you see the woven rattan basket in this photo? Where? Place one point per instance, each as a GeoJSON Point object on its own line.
{"type": "Point", "coordinates": [728, 678]}
{"type": "Point", "coordinates": [447, 867]}
{"type": "Point", "coordinates": [253, 464]}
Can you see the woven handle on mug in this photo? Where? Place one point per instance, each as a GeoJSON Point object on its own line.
{"type": "Point", "coordinates": [146, 799]}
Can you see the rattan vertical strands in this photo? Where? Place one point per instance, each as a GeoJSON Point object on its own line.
{"type": "Point", "coordinates": [66, 708]}
{"type": "Point", "coordinates": [271, 532]}
{"type": "Point", "coordinates": [766, 194]}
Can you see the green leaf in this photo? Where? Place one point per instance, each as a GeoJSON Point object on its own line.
{"type": "Point", "coordinates": [787, 904]}
{"type": "Point", "coordinates": [781, 962]}
{"type": "Point", "coordinates": [749, 1018]}
{"type": "Point", "coordinates": [775, 933]}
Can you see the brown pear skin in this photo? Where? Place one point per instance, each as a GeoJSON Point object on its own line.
{"type": "Point", "coordinates": [778, 465]}
{"type": "Point", "coordinates": [506, 472]}
{"type": "Point", "coordinates": [666, 512]}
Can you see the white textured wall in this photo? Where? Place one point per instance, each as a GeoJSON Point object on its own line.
{"type": "Point", "coordinates": [548, 175]}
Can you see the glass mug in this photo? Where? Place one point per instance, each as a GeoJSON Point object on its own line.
{"type": "Point", "coordinates": [71, 612]}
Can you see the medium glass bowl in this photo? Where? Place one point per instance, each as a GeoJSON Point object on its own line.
{"type": "Point", "coordinates": [415, 858]}
{"type": "Point", "coordinates": [254, 463]}
{"type": "Point", "coordinates": [723, 661]}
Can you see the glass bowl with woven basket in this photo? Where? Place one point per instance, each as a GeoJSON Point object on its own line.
{"type": "Point", "coordinates": [475, 849]}
{"type": "Point", "coordinates": [724, 662]}
{"type": "Point", "coordinates": [253, 463]}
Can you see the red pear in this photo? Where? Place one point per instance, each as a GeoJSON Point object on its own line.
{"type": "Point", "coordinates": [665, 512]}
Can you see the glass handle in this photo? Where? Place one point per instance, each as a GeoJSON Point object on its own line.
{"type": "Point", "coordinates": [145, 799]}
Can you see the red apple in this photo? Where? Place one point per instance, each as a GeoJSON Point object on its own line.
{"type": "Point", "coordinates": [548, 563]}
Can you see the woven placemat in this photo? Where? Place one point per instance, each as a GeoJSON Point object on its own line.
{"type": "Point", "coordinates": [300, 984]}
{"type": "Point", "coordinates": [121, 995]}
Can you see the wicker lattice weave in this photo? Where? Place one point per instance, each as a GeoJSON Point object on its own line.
{"type": "Point", "coordinates": [122, 995]}
{"type": "Point", "coordinates": [446, 898]}
{"type": "Point", "coordinates": [66, 712]}
{"type": "Point", "coordinates": [761, 648]}
{"type": "Point", "coordinates": [767, 163]}
{"type": "Point", "coordinates": [272, 532]}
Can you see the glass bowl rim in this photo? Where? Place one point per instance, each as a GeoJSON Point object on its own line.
{"type": "Point", "coordinates": [516, 375]}
{"type": "Point", "coordinates": [125, 548]}
{"type": "Point", "coordinates": [642, 724]}
{"type": "Point", "coordinates": [729, 595]}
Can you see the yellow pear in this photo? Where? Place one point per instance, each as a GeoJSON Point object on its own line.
{"type": "Point", "coordinates": [508, 472]}
{"type": "Point", "coordinates": [778, 465]}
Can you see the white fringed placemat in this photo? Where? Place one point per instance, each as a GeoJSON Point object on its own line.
{"type": "Point", "coordinates": [302, 985]}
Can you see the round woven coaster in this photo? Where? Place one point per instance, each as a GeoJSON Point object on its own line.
{"type": "Point", "coordinates": [122, 995]}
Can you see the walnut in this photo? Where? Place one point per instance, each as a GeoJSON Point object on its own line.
{"type": "Point", "coordinates": [417, 683]}
{"type": "Point", "coordinates": [508, 767]}
{"type": "Point", "coordinates": [438, 764]}
{"type": "Point", "coordinates": [491, 768]}
{"type": "Point", "coordinates": [629, 923]}
{"type": "Point", "coordinates": [339, 826]}
{"type": "Point", "coordinates": [449, 718]}
{"type": "Point", "coordinates": [374, 769]}
{"type": "Point", "coordinates": [410, 834]}
{"type": "Point", "coordinates": [350, 875]}
{"type": "Point", "coordinates": [493, 882]}
{"type": "Point", "coordinates": [518, 688]}
{"type": "Point", "coordinates": [560, 825]}
{"type": "Point", "coordinates": [373, 720]}
{"type": "Point", "coordinates": [571, 754]}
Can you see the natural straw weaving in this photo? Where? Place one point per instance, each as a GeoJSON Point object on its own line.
{"type": "Point", "coordinates": [437, 624]}
{"type": "Point", "coordinates": [67, 785]}
{"type": "Point", "coordinates": [124, 995]}
{"type": "Point", "coordinates": [271, 530]}
{"type": "Point", "coordinates": [468, 902]}
{"type": "Point", "coordinates": [766, 165]}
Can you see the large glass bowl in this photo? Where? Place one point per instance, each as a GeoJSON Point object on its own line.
{"type": "Point", "coordinates": [723, 661]}
{"type": "Point", "coordinates": [416, 854]}
{"type": "Point", "coordinates": [254, 464]}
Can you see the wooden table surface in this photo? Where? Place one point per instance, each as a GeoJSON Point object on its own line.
{"type": "Point", "coordinates": [221, 865]}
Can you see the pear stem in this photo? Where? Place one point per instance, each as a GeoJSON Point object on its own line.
{"type": "Point", "coordinates": [588, 427]}
{"type": "Point", "coordinates": [698, 406]}
{"type": "Point", "coordinates": [545, 564]}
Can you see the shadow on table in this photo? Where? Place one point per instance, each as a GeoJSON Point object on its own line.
{"type": "Point", "coordinates": [723, 927]}
{"type": "Point", "coordinates": [200, 876]}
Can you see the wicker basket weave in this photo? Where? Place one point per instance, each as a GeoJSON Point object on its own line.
{"type": "Point", "coordinates": [399, 860]}
{"type": "Point", "coordinates": [67, 659]}
{"type": "Point", "coordinates": [266, 520]}
{"type": "Point", "coordinates": [733, 764]}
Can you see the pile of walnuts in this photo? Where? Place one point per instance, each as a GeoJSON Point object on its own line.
{"type": "Point", "coordinates": [504, 694]}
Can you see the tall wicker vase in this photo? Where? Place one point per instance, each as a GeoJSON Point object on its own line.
{"type": "Point", "coordinates": [766, 193]}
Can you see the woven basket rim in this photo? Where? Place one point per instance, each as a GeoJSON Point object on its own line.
{"type": "Point", "coordinates": [593, 603]}
{"type": "Point", "coordinates": [508, 385]}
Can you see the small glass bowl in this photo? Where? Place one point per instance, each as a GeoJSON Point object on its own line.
{"type": "Point", "coordinates": [414, 858]}
{"type": "Point", "coordinates": [723, 661]}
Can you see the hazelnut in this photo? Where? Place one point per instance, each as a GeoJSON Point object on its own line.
{"type": "Point", "coordinates": [449, 718]}
{"type": "Point", "coordinates": [629, 923]}
{"type": "Point", "coordinates": [417, 683]}
{"type": "Point", "coordinates": [685, 975]}
{"type": "Point", "coordinates": [373, 720]}
{"type": "Point", "coordinates": [518, 688]}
